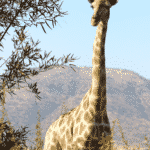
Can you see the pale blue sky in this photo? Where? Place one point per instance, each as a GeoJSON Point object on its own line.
{"type": "Point", "coordinates": [127, 42]}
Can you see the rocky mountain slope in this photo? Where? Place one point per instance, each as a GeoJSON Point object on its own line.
{"type": "Point", "coordinates": [128, 99]}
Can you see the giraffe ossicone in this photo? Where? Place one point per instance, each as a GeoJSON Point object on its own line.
{"type": "Point", "coordinates": [85, 127]}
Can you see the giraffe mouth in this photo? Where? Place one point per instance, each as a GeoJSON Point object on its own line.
{"type": "Point", "coordinates": [96, 18]}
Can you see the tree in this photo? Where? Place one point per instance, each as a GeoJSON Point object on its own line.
{"type": "Point", "coordinates": [17, 69]}
{"type": "Point", "coordinates": [10, 17]}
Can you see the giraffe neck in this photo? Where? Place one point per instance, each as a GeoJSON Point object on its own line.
{"type": "Point", "coordinates": [98, 93]}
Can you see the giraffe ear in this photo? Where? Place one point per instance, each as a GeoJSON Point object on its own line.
{"type": "Point", "coordinates": [113, 2]}
{"type": "Point", "coordinates": [91, 1]}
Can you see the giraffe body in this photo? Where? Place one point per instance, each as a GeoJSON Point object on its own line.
{"type": "Point", "coordinates": [83, 127]}
{"type": "Point", "coordinates": [71, 131]}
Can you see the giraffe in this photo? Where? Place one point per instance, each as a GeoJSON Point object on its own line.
{"type": "Point", "coordinates": [83, 127]}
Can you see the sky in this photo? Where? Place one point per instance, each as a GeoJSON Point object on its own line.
{"type": "Point", "coordinates": [127, 41]}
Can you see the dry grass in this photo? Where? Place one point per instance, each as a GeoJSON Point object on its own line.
{"type": "Point", "coordinates": [105, 141]}
{"type": "Point", "coordinates": [126, 147]}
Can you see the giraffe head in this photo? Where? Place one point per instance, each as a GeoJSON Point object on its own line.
{"type": "Point", "coordinates": [100, 7]}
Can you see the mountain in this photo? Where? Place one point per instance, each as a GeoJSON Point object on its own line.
{"type": "Point", "coordinates": [128, 99]}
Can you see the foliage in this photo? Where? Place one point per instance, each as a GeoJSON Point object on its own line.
{"type": "Point", "coordinates": [17, 71]}
{"type": "Point", "coordinates": [9, 137]}
{"type": "Point", "coordinates": [17, 68]}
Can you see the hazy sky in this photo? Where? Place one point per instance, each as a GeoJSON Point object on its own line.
{"type": "Point", "coordinates": [127, 41]}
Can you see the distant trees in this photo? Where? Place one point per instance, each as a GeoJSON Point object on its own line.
{"type": "Point", "coordinates": [16, 67]}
